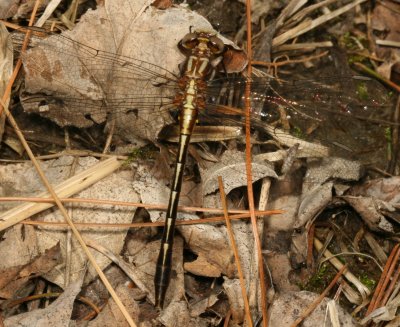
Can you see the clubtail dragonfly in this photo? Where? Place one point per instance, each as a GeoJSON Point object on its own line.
{"type": "Point", "coordinates": [302, 102]}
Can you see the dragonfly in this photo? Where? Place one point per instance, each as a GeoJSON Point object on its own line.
{"type": "Point", "coordinates": [325, 105]}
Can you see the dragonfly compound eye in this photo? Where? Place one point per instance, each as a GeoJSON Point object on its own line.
{"type": "Point", "coordinates": [216, 45]}
{"type": "Point", "coordinates": [189, 41]}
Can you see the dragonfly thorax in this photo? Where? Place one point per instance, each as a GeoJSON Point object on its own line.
{"type": "Point", "coordinates": [201, 49]}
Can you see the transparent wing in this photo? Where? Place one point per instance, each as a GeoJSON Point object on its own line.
{"type": "Point", "coordinates": [349, 114]}
{"type": "Point", "coordinates": [74, 84]}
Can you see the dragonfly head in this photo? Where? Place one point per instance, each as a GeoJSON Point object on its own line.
{"type": "Point", "coordinates": [199, 42]}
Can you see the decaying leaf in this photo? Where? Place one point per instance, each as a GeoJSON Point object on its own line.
{"type": "Point", "coordinates": [116, 186]}
{"type": "Point", "coordinates": [112, 313]}
{"type": "Point", "coordinates": [287, 307]}
{"type": "Point", "coordinates": [56, 314]}
{"type": "Point", "coordinates": [88, 84]}
{"type": "Point", "coordinates": [14, 278]}
{"type": "Point", "coordinates": [368, 208]}
{"type": "Point", "coordinates": [232, 169]}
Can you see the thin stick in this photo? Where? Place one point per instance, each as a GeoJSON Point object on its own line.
{"type": "Point", "coordinates": [312, 307]}
{"type": "Point", "coordinates": [250, 193]}
{"type": "Point", "coordinates": [134, 204]}
{"type": "Point", "coordinates": [136, 225]}
{"type": "Point", "coordinates": [75, 153]}
{"type": "Point", "coordinates": [310, 246]}
{"type": "Point", "coordinates": [227, 318]}
{"type": "Point", "coordinates": [387, 279]}
{"type": "Point", "coordinates": [373, 303]}
{"type": "Point", "coordinates": [235, 251]}
{"type": "Point", "coordinates": [392, 285]}
{"type": "Point", "coordinates": [384, 280]}
{"type": "Point", "coordinates": [288, 62]}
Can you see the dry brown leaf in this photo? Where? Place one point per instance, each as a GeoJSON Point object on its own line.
{"type": "Point", "coordinates": [22, 179]}
{"type": "Point", "coordinates": [287, 307]}
{"type": "Point", "coordinates": [111, 314]}
{"type": "Point", "coordinates": [18, 9]}
{"type": "Point", "coordinates": [232, 169]}
{"type": "Point", "coordinates": [56, 314]}
{"type": "Point", "coordinates": [8, 8]}
{"type": "Point", "coordinates": [176, 315]}
{"type": "Point", "coordinates": [369, 210]}
{"type": "Point", "coordinates": [77, 74]}
{"type": "Point", "coordinates": [385, 22]}
{"type": "Point", "coordinates": [18, 239]}
{"type": "Point", "coordinates": [385, 189]}
{"type": "Point", "coordinates": [143, 254]}
{"type": "Point", "coordinates": [14, 278]}
{"type": "Point", "coordinates": [201, 267]}
{"type": "Point", "coordinates": [234, 293]}
{"type": "Point", "coordinates": [206, 240]}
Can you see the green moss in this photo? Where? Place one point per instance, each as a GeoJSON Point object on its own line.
{"type": "Point", "coordinates": [351, 42]}
{"type": "Point", "coordinates": [362, 91]}
{"type": "Point", "coordinates": [389, 139]}
{"type": "Point", "coordinates": [320, 280]}
{"type": "Point", "coordinates": [147, 152]}
{"type": "Point", "coordinates": [367, 281]}
{"type": "Point", "coordinates": [297, 132]}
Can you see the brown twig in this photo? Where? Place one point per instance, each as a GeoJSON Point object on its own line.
{"type": "Point", "coordinates": [227, 318]}
{"type": "Point", "coordinates": [382, 281]}
{"type": "Point", "coordinates": [287, 62]}
{"type": "Point", "coordinates": [250, 193]}
{"type": "Point", "coordinates": [141, 225]}
{"type": "Point", "coordinates": [235, 252]}
{"type": "Point", "coordinates": [133, 204]}
{"type": "Point", "coordinates": [384, 290]}
{"type": "Point", "coordinates": [389, 291]}
{"type": "Point", "coordinates": [310, 246]}
{"type": "Point", "coordinates": [51, 295]}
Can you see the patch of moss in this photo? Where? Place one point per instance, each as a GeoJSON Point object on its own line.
{"type": "Point", "coordinates": [350, 42]}
{"type": "Point", "coordinates": [297, 132]}
{"type": "Point", "coordinates": [362, 91]}
{"type": "Point", "coordinates": [367, 281]}
{"type": "Point", "coordinates": [320, 280]}
{"type": "Point", "coordinates": [144, 153]}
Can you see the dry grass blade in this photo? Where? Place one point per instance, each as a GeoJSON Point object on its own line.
{"type": "Point", "coordinates": [309, 25]}
{"type": "Point", "coordinates": [289, 10]}
{"type": "Point", "coordinates": [67, 188]}
{"type": "Point", "coordinates": [50, 8]}
{"type": "Point", "coordinates": [363, 290]}
{"type": "Point", "coordinates": [6, 58]}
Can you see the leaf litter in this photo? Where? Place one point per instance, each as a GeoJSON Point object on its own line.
{"type": "Point", "coordinates": [94, 92]}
